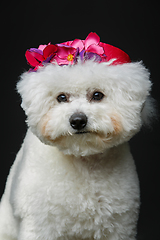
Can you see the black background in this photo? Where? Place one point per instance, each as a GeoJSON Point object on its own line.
{"type": "Point", "coordinates": [130, 25]}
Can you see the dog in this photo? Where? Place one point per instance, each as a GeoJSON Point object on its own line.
{"type": "Point", "coordinates": [74, 176]}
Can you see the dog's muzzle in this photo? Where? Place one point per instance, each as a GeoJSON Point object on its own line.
{"type": "Point", "coordinates": [78, 121]}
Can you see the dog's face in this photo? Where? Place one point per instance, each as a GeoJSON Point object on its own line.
{"type": "Point", "coordinates": [86, 108]}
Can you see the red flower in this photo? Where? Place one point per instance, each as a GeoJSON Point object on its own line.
{"type": "Point", "coordinates": [38, 57]}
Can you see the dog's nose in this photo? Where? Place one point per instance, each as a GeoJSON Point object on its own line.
{"type": "Point", "coordinates": [78, 121]}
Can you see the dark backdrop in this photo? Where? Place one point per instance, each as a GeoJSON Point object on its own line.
{"type": "Point", "coordinates": [130, 25]}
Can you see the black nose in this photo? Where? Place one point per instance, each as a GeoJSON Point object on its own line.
{"type": "Point", "coordinates": [78, 121]}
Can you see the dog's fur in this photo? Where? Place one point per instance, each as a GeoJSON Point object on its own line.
{"type": "Point", "coordinates": [65, 185]}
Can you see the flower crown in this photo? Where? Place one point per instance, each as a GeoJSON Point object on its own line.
{"type": "Point", "coordinates": [68, 53]}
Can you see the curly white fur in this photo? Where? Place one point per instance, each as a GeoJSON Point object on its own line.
{"type": "Point", "coordinates": [65, 185]}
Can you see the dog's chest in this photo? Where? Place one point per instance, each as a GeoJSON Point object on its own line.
{"type": "Point", "coordinates": [75, 197]}
{"type": "Point", "coordinates": [79, 199]}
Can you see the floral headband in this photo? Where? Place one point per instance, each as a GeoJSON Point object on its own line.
{"type": "Point", "coordinates": [68, 53]}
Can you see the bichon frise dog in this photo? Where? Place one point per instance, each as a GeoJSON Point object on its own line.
{"type": "Point", "coordinates": [74, 176]}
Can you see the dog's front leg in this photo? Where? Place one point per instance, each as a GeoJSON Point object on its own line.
{"type": "Point", "coordinates": [8, 224]}
{"type": "Point", "coordinates": [27, 230]}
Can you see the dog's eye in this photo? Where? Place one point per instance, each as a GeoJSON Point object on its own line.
{"type": "Point", "coordinates": [97, 96]}
{"type": "Point", "coordinates": [62, 98]}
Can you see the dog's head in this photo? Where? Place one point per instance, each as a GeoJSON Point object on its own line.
{"type": "Point", "coordinates": [86, 108]}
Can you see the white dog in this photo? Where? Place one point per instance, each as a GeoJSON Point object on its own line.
{"type": "Point", "coordinates": [74, 176]}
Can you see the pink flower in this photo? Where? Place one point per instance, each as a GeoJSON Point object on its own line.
{"type": "Point", "coordinates": [65, 54]}
{"type": "Point", "coordinates": [77, 43]}
{"type": "Point", "coordinates": [89, 45]}
{"type": "Point", "coordinates": [42, 47]}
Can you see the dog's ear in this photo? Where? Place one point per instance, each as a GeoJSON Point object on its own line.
{"type": "Point", "coordinates": [136, 87]}
{"type": "Point", "coordinates": [141, 92]}
{"type": "Point", "coordinates": [149, 112]}
{"type": "Point", "coordinates": [26, 90]}
{"type": "Point", "coordinates": [35, 96]}
{"type": "Point", "coordinates": [30, 90]}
